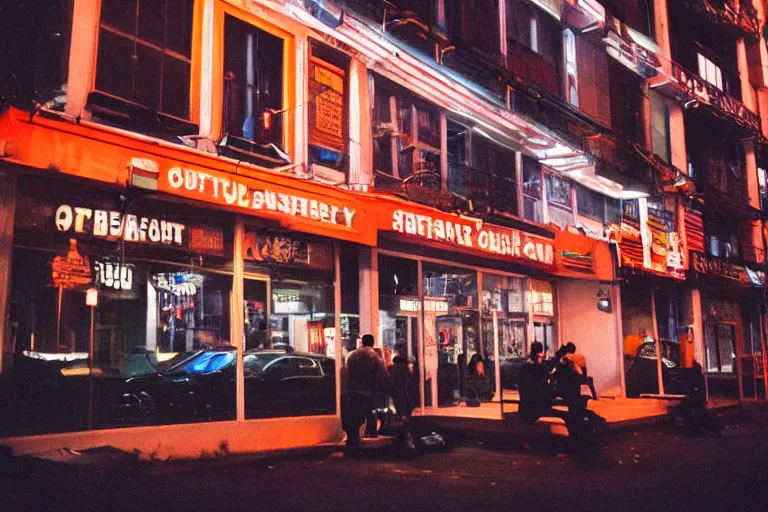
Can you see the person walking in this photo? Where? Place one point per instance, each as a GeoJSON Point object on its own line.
{"type": "Point", "coordinates": [535, 395]}
{"type": "Point", "coordinates": [366, 374]}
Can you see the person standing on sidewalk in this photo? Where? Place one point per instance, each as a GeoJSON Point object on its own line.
{"type": "Point", "coordinates": [535, 394]}
{"type": "Point", "coordinates": [579, 364]}
{"type": "Point", "coordinates": [366, 374]}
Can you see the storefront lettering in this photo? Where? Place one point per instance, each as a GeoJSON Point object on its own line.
{"type": "Point", "coordinates": [490, 239]}
{"type": "Point", "coordinates": [233, 193]}
{"type": "Point", "coordinates": [430, 306]}
{"type": "Point", "coordinates": [118, 276]}
{"type": "Point", "coordinates": [721, 268]}
{"type": "Point", "coordinates": [112, 224]}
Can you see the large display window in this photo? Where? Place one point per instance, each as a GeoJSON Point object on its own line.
{"type": "Point", "coordinates": [144, 285]}
{"type": "Point", "coordinates": [122, 312]}
{"type": "Point", "coordinates": [290, 325]}
{"type": "Point", "coordinates": [466, 330]}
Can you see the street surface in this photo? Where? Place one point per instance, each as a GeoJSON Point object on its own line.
{"type": "Point", "coordinates": [652, 469]}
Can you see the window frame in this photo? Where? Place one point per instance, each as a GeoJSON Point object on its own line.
{"type": "Point", "coordinates": [398, 99]}
{"type": "Point", "coordinates": [289, 81]}
{"type": "Point", "coordinates": [193, 109]}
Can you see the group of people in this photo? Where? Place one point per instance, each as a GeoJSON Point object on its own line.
{"type": "Point", "coordinates": [542, 381]}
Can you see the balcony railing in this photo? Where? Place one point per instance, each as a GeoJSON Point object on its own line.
{"type": "Point", "coordinates": [690, 88]}
{"type": "Point", "coordinates": [481, 191]}
{"type": "Point", "coordinates": [725, 14]}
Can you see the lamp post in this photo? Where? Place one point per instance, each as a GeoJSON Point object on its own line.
{"type": "Point", "coordinates": [91, 300]}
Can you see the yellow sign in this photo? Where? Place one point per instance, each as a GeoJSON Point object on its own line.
{"type": "Point", "coordinates": [326, 106]}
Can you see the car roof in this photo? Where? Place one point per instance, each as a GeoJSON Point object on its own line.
{"type": "Point", "coordinates": [284, 353]}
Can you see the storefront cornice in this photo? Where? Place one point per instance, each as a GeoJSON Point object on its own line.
{"type": "Point", "coordinates": [91, 151]}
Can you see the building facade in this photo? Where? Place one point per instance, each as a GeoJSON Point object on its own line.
{"type": "Point", "coordinates": [205, 203]}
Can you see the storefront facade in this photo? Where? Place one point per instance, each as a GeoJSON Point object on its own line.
{"type": "Point", "coordinates": [657, 311]}
{"type": "Point", "coordinates": [455, 293]}
{"type": "Point", "coordinates": [732, 319]}
{"type": "Point", "coordinates": [178, 293]}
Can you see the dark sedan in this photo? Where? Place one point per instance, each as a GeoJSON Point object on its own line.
{"type": "Point", "coordinates": [201, 387]}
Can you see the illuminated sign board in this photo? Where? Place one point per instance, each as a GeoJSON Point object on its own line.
{"type": "Point", "coordinates": [232, 192]}
{"type": "Point", "coordinates": [496, 241]}
{"type": "Point", "coordinates": [430, 305]}
{"type": "Point", "coordinates": [112, 224]}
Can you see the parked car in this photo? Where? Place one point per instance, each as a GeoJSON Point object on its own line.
{"type": "Point", "coordinates": [642, 374]}
{"type": "Point", "coordinates": [201, 387]}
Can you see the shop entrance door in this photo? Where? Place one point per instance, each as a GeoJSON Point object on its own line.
{"type": "Point", "coordinates": [257, 304]}
{"type": "Point", "coordinates": [752, 375]}
{"type": "Point", "coordinates": [407, 338]}
{"type": "Point", "coordinates": [722, 377]}
{"type": "Point", "coordinates": [458, 341]}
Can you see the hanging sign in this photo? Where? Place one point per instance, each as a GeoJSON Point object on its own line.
{"type": "Point", "coordinates": [699, 89]}
{"type": "Point", "coordinates": [492, 240]}
{"type": "Point", "coordinates": [430, 305]}
{"type": "Point", "coordinates": [71, 270]}
{"type": "Point", "coordinates": [708, 265]}
{"type": "Point", "coordinates": [326, 106]}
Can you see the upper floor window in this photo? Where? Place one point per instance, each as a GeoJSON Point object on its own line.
{"type": "Point", "coordinates": [476, 22]}
{"type": "Point", "coordinates": [145, 53]}
{"type": "Point", "coordinates": [559, 199]}
{"type": "Point", "coordinates": [571, 70]}
{"type": "Point", "coordinates": [761, 181]}
{"type": "Point", "coordinates": [406, 132]}
{"type": "Point", "coordinates": [637, 14]}
{"type": "Point", "coordinates": [535, 30]}
{"type": "Point", "coordinates": [710, 72]}
{"type": "Point", "coordinates": [481, 170]}
{"type": "Point", "coordinates": [594, 205]}
{"type": "Point", "coordinates": [253, 83]}
{"type": "Point", "coordinates": [34, 60]}
{"type": "Point", "coordinates": [532, 191]}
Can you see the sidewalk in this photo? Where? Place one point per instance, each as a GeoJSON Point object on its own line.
{"type": "Point", "coordinates": [503, 418]}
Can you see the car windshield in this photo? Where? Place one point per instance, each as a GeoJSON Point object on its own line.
{"type": "Point", "coordinates": [257, 362]}
{"type": "Point", "coordinates": [177, 361]}
{"type": "Point", "coordinates": [209, 362]}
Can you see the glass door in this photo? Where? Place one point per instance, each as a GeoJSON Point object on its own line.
{"type": "Point", "coordinates": [719, 341]}
{"type": "Point", "coordinates": [451, 325]}
{"type": "Point", "coordinates": [255, 293]}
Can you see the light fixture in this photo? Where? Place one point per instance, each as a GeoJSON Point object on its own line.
{"type": "Point", "coordinates": [92, 297]}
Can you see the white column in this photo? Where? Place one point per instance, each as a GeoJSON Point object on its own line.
{"type": "Point", "coordinates": [300, 113]}
{"type": "Point", "coordinates": [7, 214]}
{"type": "Point", "coordinates": [237, 324]}
{"type": "Point", "coordinates": [337, 322]}
{"type": "Point", "coordinates": [698, 332]}
{"type": "Point", "coordinates": [368, 293]}
{"type": "Point", "coordinates": [617, 319]}
{"type": "Point", "coordinates": [82, 55]}
{"type": "Point", "coordinates": [360, 127]}
{"type": "Point", "coordinates": [207, 45]}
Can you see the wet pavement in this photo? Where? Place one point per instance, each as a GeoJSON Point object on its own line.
{"type": "Point", "coordinates": [656, 468]}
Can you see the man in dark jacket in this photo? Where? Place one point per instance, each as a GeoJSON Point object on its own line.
{"type": "Point", "coordinates": [366, 374]}
{"type": "Point", "coordinates": [401, 377]}
{"type": "Point", "coordinates": [535, 395]}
